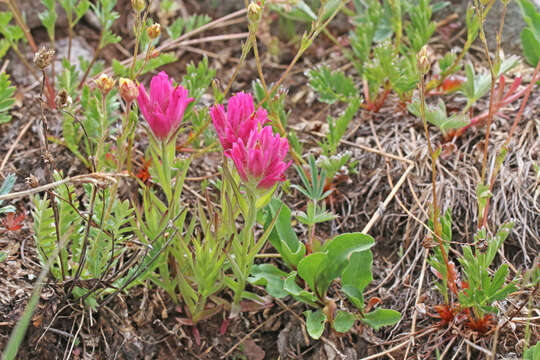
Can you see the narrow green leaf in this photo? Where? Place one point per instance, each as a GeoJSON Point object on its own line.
{"type": "Point", "coordinates": [381, 317]}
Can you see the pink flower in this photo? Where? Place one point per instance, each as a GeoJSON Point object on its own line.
{"type": "Point", "coordinates": [165, 106]}
{"type": "Point", "coordinates": [239, 120]}
{"type": "Point", "coordinates": [260, 160]}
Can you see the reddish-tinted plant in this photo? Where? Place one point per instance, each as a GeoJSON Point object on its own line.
{"type": "Point", "coordinates": [144, 174]}
{"type": "Point", "coordinates": [13, 222]}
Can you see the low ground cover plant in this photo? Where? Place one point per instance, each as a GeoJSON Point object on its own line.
{"type": "Point", "coordinates": [140, 133]}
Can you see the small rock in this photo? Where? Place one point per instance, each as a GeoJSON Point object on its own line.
{"type": "Point", "coordinates": [79, 49]}
{"type": "Point", "coordinates": [513, 23]}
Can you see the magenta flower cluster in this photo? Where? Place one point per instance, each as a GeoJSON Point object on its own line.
{"type": "Point", "coordinates": [164, 107]}
{"type": "Point", "coordinates": [258, 153]}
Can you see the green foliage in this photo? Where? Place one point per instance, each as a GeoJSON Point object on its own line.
{"type": "Point", "coordinates": [478, 85]}
{"type": "Point", "coordinates": [68, 78]}
{"type": "Point", "coordinates": [185, 25]}
{"type": "Point", "coordinates": [6, 187]}
{"type": "Point", "coordinates": [532, 353]}
{"type": "Point", "coordinates": [436, 115]}
{"type": "Point", "coordinates": [331, 86]}
{"type": "Point", "coordinates": [315, 322]}
{"type": "Point", "coordinates": [381, 317]}
{"type": "Point", "coordinates": [198, 78]}
{"type": "Point", "coordinates": [99, 116]}
{"type": "Point", "coordinates": [346, 257]}
{"type": "Point", "coordinates": [12, 34]}
{"type": "Point", "coordinates": [104, 10]}
{"type": "Point", "coordinates": [6, 97]}
{"type": "Point", "coordinates": [337, 128]}
{"type": "Point", "coordinates": [333, 164]}
{"type": "Point", "coordinates": [200, 259]}
{"type": "Point", "coordinates": [49, 16]}
{"type": "Point", "coordinates": [421, 28]}
{"type": "Point", "coordinates": [313, 181]}
{"type": "Point", "coordinates": [387, 61]}
{"type": "Point", "coordinates": [530, 36]}
{"type": "Point", "coordinates": [77, 8]}
{"type": "Point", "coordinates": [370, 24]}
{"type": "Point", "coordinates": [283, 238]}
{"type": "Point", "coordinates": [313, 189]}
{"type": "Point", "coordinates": [484, 288]}
{"type": "Point", "coordinates": [105, 243]}
{"type": "Point", "coordinates": [481, 289]}
{"type": "Point", "coordinates": [437, 261]}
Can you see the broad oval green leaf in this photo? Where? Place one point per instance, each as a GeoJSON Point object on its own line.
{"type": "Point", "coordinates": [271, 277]}
{"type": "Point", "coordinates": [290, 286]}
{"type": "Point", "coordinates": [343, 321]}
{"type": "Point", "coordinates": [339, 250]}
{"type": "Point", "coordinates": [311, 266]}
{"type": "Point", "coordinates": [358, 272]}
{"type": "Point", "coordinates": [315, 323]}
{"type": "Point", "coordinates": [283, 237]}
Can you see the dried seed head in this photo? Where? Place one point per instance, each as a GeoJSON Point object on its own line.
{"type": "Point", "coordinates": [428, 242]}
{"type": "Point", "coordinates": [32, 181]}
{"type": "Point", "coordinates": [423, 60]}
{"type": "Point", "coordinates": [105, 83]}
{"type": "Point", "coordinates": [63, 99]}
{"type": "Point", "coordinates": [138, 5]}
{"type": "Point", "coordinates": [44, 57]}
{"type": "Point", "coordinates": [254, 12]}
{"type": "Point", "coordinates": [154, 31]}
{"type": "Point", "coordinates": [128, 90]}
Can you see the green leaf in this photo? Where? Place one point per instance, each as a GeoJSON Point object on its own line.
{"type": "Point", "coordinates": [297, 292]}
{"type": "Point", "coordinates": [358, 272]}
{"type": "Point", "coordinates": [283, 237]}
{"type": "Point", "coordinates": [198, 78]}
{"type": "Point", "coordinates": [355, 296]}
{"type": "Point", "coordinates": [315, 323]}
{"type": "Point", "coordinates": [271, 277]}
{"type": "Point", "coordinates": [331, 86]}
{"type": "Point", "coordinates": [482, 194]}
{"type": "Point", "coordinates": [311, 266]}
{"type": "Point", "coordinates": [338, 127]}
{"type": "Point", "coordinates": [184, 25]}
{"type": "Point", "coordinates": [531, 16]}
{"type": "Point", "coordinates": [531, 46]}
{"type": "Point", "coordinates": [6, 97]}
{"type": "Point", "coordinates": [343, 321]}
{"type": "Point", "coordinates": [436, 115]}
{"type": "Point", "coordinates": [532, 353]}
{"type": "Point", "coordinates": [339, 250]}
{"type": "Point", "coordinates": [381, 317]}
{"type": "Point", "coordinates": [3, 256]}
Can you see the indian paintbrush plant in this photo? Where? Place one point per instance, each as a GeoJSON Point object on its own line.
{"type": "Point", "coordinates": [259, 159]}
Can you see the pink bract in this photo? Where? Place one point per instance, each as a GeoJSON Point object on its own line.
{"type": "Point", "coordinates": [164, 107]}
{"type": "Point", "coordinates": [261, 160]}
{"type": "Point", "coordinates": [239, 120]}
